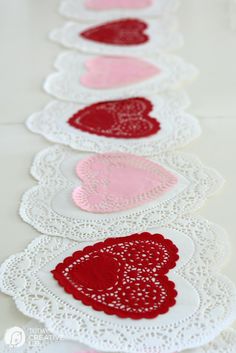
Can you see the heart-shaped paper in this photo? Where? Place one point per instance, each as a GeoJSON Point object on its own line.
{"type": "Point", "coordinates": [122, 276]}
{"type": "Point", "coordinates": [117, 181]}
{"type": "Point", "coordinates": [121, 32]}
{"type": "Point", "coordinates": [124, 118]}
{"type": "Point", "coordinates": [117, 4]}
{"type": "Point", "coordinates": [111, 72]}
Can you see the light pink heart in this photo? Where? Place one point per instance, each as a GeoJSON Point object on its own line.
{"type": "Point", "coordinates": [117, 181]}
{"type": "Point", "coordinates": [112, 72]}
{"type": "Point", "coordinates": [84, 350]}
{"type": "Point", "coordinates": [119, 4]}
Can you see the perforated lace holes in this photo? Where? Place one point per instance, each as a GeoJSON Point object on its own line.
{"type": "Point", "coordinates": [144, 296]}
{"type": "Point", "coordinates": [122, 283]}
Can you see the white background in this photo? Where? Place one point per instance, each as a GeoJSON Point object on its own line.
{"type": "Point", "coordinates": [27, 58]}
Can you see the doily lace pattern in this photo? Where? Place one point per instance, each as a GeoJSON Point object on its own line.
{"type": "Point", "coordinates": [124, 276]}
{"type": "Point", "coordinates": [66, 83]}
{"type": "Point", "coordinates": [202, 247]}
{"type": "Point", "coordinates": [77, 10]}
{"type": "Point", "coordinates": [224, 343]}
{"type": "Point", "coordinates": [177, 128]}
{"type": "Point", "coordinates": [122, 118]}
{"type": "Point", "coordinates": [54, 174]}
{"type": "Point", "coordinates": [161, 36]}
{"type": "Point", "coordinates": [113, 182]}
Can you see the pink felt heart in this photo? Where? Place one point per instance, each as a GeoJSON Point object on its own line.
{"type": "Point", "coordinates": [119, 4]}
{"type": "Point", "coordinates": [112, 72]}
{"type": "Point", "coordinates": [118, 181]}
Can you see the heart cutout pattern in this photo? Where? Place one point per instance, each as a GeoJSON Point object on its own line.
{"type": "Point", "coordinates": [121, 32]}
{"type": "Point", "coordinates": [123, 276]}
{"type": "Point", "coordinates": [124, 118]}
{"type": "Point", "coordinates": [114, 182]}
{"type": "Point", "coordinates": [117, 4]}
{"type": "Point", "coordinates": [111, 72]}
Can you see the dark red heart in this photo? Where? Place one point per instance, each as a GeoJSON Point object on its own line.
{"type": "Point", "coordinates": [121, 32]}
{"type": "Point", "coordinates": [125, 118]}
{"type": "Point", "coordinates": [122, 276]}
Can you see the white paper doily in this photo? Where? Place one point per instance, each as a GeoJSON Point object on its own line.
{"type": "Point", "coordinates": [177, 128]}
{"type": "Point", "coordinates": [161, 38]}
{"type": "Point", "coordinates": [49, 208]}
{"type": "Point", "coordinates": [48, 343]}
{"type": "Point", "coordinates": [65, 83]}
{"type": "Point", "coordinates": [206, 301]}
{"type": "Point", "coordinates": [77, 10]}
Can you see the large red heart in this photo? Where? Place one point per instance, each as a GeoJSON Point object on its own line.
{"type": "Point", "coordinates": [122, 276]}
{"type": "Point", "coordinates": [125, 118]}
{"type": "Point", "coordinates": [121, 32]}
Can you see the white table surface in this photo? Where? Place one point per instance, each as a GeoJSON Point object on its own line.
{"type": "Point", "coordinates": [27, 57]}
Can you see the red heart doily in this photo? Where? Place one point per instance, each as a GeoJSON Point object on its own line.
{"type": "Point", "coordinates": [122, 276]}
{"type": "Point", "coordinates": [121, 32]}
{"type": "Point", "coordinates": [124, 118]}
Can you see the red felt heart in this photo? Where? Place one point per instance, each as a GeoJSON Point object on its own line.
{"type": "Point", "coordinates": [122, 276]}
{"type": "Point", "coordinates": [125, 118]}
{"type": "Point", "coordinates": [121, 32]}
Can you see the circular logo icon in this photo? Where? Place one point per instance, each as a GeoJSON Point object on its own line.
{"type": "Point", "coordinates": [14, 337]}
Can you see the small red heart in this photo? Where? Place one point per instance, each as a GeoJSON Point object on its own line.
{"type": "Point", "coordinates": [125, 118]}
{"type": "Point", "coordinates": [121, 32]}
{"type": "Point", "coordinates": [122, 276]}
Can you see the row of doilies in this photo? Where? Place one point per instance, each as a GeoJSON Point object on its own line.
{"type": "Point", "coordinates": [121, 265]}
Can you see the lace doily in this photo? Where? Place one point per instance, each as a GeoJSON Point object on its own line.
{"type": "Point", "coordinates": [129, 37]}
{"type": "Point", "coordinates": [124, 276]}
{"type": "Point", "coordinates": [122, 118]}
{"type": "Point", "coordinates": [77, 73]}
{"type": "Point", "coordinates": [37, 339]}
{"type": "Point", "coordinates": [113, 182]}
{"type": "Point", "coordinates": [205, 305]}
{"type": "Point", "coordinates": [224, 343]}
{"type": "Point", "coordinates": [49, 207]}
{"type": "Point", "coordinates": [48, 343]}
{"type": "Point", "coordinates": [176, 127]}
{"type": "Point", "coordinates": [78, 10]}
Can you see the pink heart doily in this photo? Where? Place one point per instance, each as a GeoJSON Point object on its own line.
{"type": "Point", "coordinates": [108, 71]}
{"type": "Point", "coordinates": [117, 4]}
{"type": "Point", "coordinates": [118, 181]}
